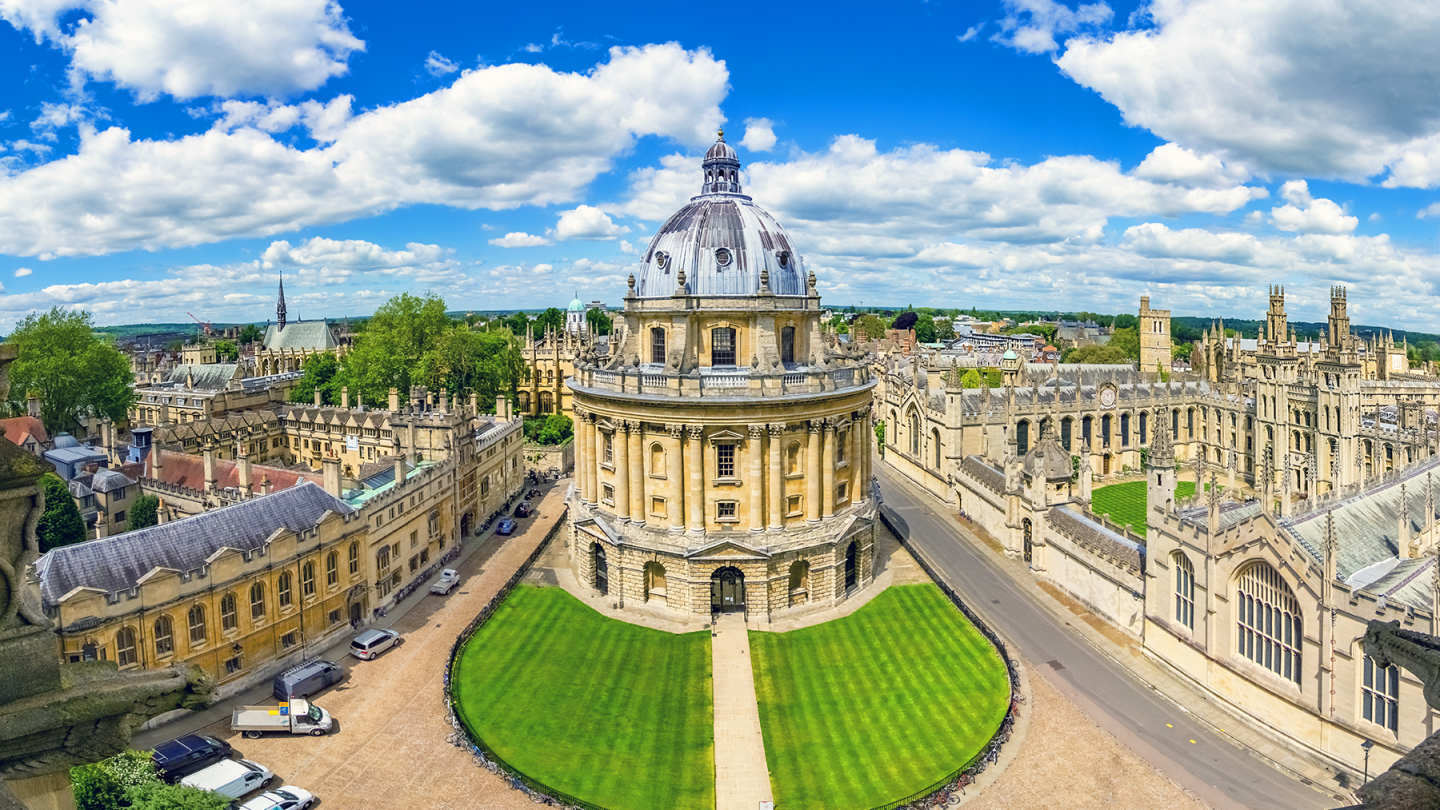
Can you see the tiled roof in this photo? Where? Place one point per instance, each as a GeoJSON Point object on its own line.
{"type": "Point", "coordinates": [302, 335]}
{"type": "Point", "coordinates": [19, 428]}
{"type": "Point", "coordinates": [204, 376]}
{"type": "Point", "coordinates": [114, 564]}
{"type": "Point", "coordinates": [186, 470]}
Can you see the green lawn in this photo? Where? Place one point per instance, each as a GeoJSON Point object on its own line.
{"type": "Point", "coordinates": [609, 712]}
{"type": "Point", "coordinates": [872, 707]}
{"type": "Point", "coordinates": [1125, 503]}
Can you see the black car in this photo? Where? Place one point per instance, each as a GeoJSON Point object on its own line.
{"type": "Point", "coordinates": [523, 510]}
{"type": "Point", "coordinates": [183, 756]}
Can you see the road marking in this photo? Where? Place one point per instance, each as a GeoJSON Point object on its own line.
{"type": "Point", "coordinates": [1192, 742]}
{"type": "Point", "coordinates": [1167, 725]}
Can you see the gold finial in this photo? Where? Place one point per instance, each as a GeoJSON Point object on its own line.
{"type": "Point", "coordinates": [721, 134]}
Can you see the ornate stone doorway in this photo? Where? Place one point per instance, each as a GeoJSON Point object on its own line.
{"type": "Point", "coordinates": [602, 570]}
{"type": "Point", "coordinates": [850, 573]}
{"type": "Point", "coordinates": [727, 590]}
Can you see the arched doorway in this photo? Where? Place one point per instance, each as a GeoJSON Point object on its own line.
{"type": "Point", "coordinates": [602, 569]}
{"type": "Point", "coordinates": [465, 525]}
{"type": "Point", "coordinates": [850, 573]}
{"type": "Point", "coordinates": [1028, 528]}
{"type": "Point", "coordinates": [727, 590]}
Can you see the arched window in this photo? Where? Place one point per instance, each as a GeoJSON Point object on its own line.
{"type": "Point", "coordinates": [228, 618]}
{"type": "Point", "coordinates": [787, 344]}
{"type": "Point", "coordinates": [1124, 430]}
{"type": "Point", "coordinates": [793, 458]}
{"type": "Point", "coordinates": [654, 581]}
{"type": "Point", "coordinates": [164, 636]}
{"type": "Point", "coordinates": [282, 587]}
{"type": "Point", "coordinates": [657, 345]}
{"type": "Point", "coordinates": [1022, 437]}
{"type": "Point", "coordinates": [722, 346]}
{"type": "Point", "coordinates": [657, 459]}
{"type": "Point", "coordinates": [332, 569]}
{"type": "Point", "coordinates": [257, 601]}
{"type": "Point", "coordinates": [935, 450]}
{"type": "Point", "coordinates": [915, 434]}
{"type": "Point", "coordinates": [1380, 693]}
{"type": "Point", "coordinates": [1105, 430]}
{"type": "Point", "coordinates": [1067, 427]}
{"type": "Point", "coordinates": [1175, 424]}
{"type": "Point", "coordinates": [1184, 590]}
{"type": "Point", "coordinates": [1087, 431]}
{"type": "Point", "coordinates": [1269, 623]}
{"type": "Point", "coordinates": [1144, 428]}
{"type": "Point", "coordinates": [197, 625]}
{"type": "Point", "coordinates": [307, 579]}
{"type": "Point", "coordinates": [125, 647]}
{"type": "Point", "coordinates": [354, 558]}
{"type": "Point", "coordinates": [1190, 423]}
{"type": "Point", "coordinates": [799, 582]}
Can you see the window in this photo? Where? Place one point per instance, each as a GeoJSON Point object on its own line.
{"type": "Point", "coordinates": [414, 563]}
{"type": "Point", "coordinates": [307, 579]}
{"type": "Point", "coordinates": [288, 640]}
{"type": "Point", "coordinates": [232, 665]}
{"type": "Point", "coordinates": [722, 346]}
{"type": "Point", "coordinates": [657, 459]}
{"type": "Point", "coordinates": [657, 345]}
{"type": "Point", "coordinates": [787, 344]}
{"type": "Point", "coordinates": [334, 616]}
{"type": "Point", "coordinates": [1380, 693]}
{"type": "Point", "coordinates": [840, 492]}
{"type": "Point", "coordinates": [657, 507]}
{"type": "Point", "coordinates": [257, 601]}
{"type": "Point", "coordinates": [332, 569]}
{"type": "Point", "coordinates": [1022, 437]}
{"type": "Point", "coordinates": [609, 448]}
{"type": "Point", "coordinates": [125, 646]}
{"type": "Point", "coordinates": [164, 637]}
{"type": "Point", "coordinates": [120, 516]}
{"type": "Point", "coordinates": [608, 494]}
{"type": "Point", "coordinates": [1144, 428]}
{"type": "Point", "coordinates": [1184, 590]}
{"type": "Point", "coordinates": [842, 438]}
{"type": "Point", "coordinates": [1124, 430]}
{"type": "Point", "coordinates": [725, 460]}
{"type": "Point", "coordinates": [725, 511]}
{"type": "Point", "coordinates": [382, 562]}
{"type": "Point", "coordinates": [197, 624]}
{"type": "Point", "coordinates": [792, 506]}
{"type": "Point", "coordinates": [229, 620]}
{"type": "Point", "coordinates": [1269, 622]}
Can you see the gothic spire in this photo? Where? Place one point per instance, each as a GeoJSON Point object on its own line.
{"type": "Point", "coordinates": [280, 306]}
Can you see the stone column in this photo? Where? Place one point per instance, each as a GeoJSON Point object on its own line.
{"type": "Point", "coordinates": [827, 472]}
{"type": "Point", "coordinates": [621, 454]}
{"type": "Point", "coordinates": [777, 478]}
{"type": "Point", "coordinates": [756, 487]}
{"type": "Point", "coordinates": [675, 473]}
{"type": "Point", "coordinates": [597, 459]}
{"type": "Point", "coordinates": [637, 473]}
{"type": "Point", "coordinates": [694, 460]}
{"type": "Point", "coordinates": [813, 452]}
{"type": "Point", "coordinates": [582, 435]}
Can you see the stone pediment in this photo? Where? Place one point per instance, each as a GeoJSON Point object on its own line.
{"type": "Point", "coordinates": [729, 549]}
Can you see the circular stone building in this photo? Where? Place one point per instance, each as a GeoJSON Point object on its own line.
{"type": "Point", "coordinates": [722, 445]}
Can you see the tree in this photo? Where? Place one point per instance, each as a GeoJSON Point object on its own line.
{"type": "Point", "coordinates": [60, 524]}
{"type": "Point", "coordinates": [945, 330]}
{"type": "Point", "coordinates": [250, 333]}
{"type": "Point", "coordinates": [1181, 351]}
{"type": "Point", "coordinates": [1127, 341]}
{"type": "Point", "coordinates": [1105, 355]}
{"type": "Point", "coordinates": [74, 371]}
{"type": "Point", "coordinates": [160, 796]}
{"type": "Point", "coordinates": [925, 329]}
{"type": "Point", "coordinates": [551, 318]}
{"type": "Point", "coordinates": [599, 322]}
{"type": "Point", "coordinates": [388, 353]}
{"type": "Point", "coordinates": [970, 379]}
{"type": "Point", "coordinates": [549, 430]}
{"type": "Point", "coordinates": [226, 351]}
{"type": "Point", "coordinates": [518, 322]}
{"type": "Point", "coordinates": [174, 346]}
{"type": "Point", "coordinates": [104, 785]}
{"type": "Point", "coordinates": [868, 325]}
{"type": "Point", "coordinates": [905, 320]}
{"type": "Point", "coordinates": [319, 373]}
{"type": "Point", "coordinates": [1126, 321]}
{"type": "Point", "coordinates": [144, 512]}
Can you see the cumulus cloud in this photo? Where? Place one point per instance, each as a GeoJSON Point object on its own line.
{"type": "Point", "coordinates": [497, 137]}
{"type": "Point", "coordinates": [587, 222]}
{"type": "Point", "coordinates": [1031, 26]}
{"type": "Point", "coordinates": [1309, 215]}
{"type": "Point", "coordinates": [626, 247]}
{"type": "Point", "coordinates": [759, 135]}
{"type": "Point", "coordinates": [1172, 163]}
{"type": "Point", "coordinates": [518, 239]}
{"type": "Point", "coordinates": [438, 65]}
{"type": "Point", "coordinates": [354, 254]}
{"type": "Point", "coordinates": [192, 48]}
{"type": "Point", "coordinates": [1342, 89]}
{"type": "Point", "coordinates": [23, 272]}
{"type": "Point", "coordinates": [971, 32]}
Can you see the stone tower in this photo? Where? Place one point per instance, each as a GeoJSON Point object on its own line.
{"type": "Point", "coordinates": [1154, 337]}
{"type": "Point", "coordinates": [1160, 471]}
{"type": "Point", "coordinates": [1276, 321]}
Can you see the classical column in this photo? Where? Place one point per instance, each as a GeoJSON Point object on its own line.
{"type": "Point", "coordinates": [582, 449]}
{"type": "Point", "coordinates": [597, 461]}
{"type": "Point", "coordinates": [827, 472]}
{"type": "Point", "coordinates": [812, 472]}
{"type": "Point", "coordinates": [637, 472]}
{"type": "Point", "coordinates": [621, 453]}
{"type": "Point", "coordinates": [675, 473]}
{"type": "Point", "coordinates": [694, 460]}
{"type": "Point", "coordinates": [756, 488]}
{"type": "Point", "coordinates": [777, 478]}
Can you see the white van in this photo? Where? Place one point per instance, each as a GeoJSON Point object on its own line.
{"type": "Point", "coordinates": [230, 777]}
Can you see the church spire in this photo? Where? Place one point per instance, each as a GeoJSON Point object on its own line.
{"type": "Point", "coordinates": [280, 306]}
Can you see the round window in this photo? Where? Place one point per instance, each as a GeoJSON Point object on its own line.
{"type": "Point", "coordinates": [784, 257]}
{"type": "Point", "coordinates": [662, 259]}
{"type": "Point", "coordinates": [722, 256]}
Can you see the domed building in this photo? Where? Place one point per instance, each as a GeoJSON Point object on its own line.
{"type": "Point", "coordinates": [723, 448]}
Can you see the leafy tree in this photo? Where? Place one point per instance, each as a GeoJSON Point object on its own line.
{"type": "Point", "coordinates": [388, 353]}
{"type": "Point", "coordinates": [1181, 351]}
{"type": "Point", "coordinates": [250, 333]}
{"type": "Point", "coordinates": [944, 330]}
{"type": "Point", "coordinates": [174, 346]}
{"type": "Point", "coordinates": [925, 329]}
{"type": "Point", "coordinates": [144, 512]}
{"type": "Point", "coordinates": [880, 433]}
{"type": "Point", "coordinates": [1096, 354]}
{"type": "Point", "coordinates": [160, 796]}
{"type": "Point", "coordinates": [518, 322]}
{"type": "Point", "coordinates": [1127, 341]}
{"type": "Point", "coordinates": [1126, 321]}
{"type": "Point", "coordinates": [905, 320]}
{"type": "Point", "coordinates": [549, 430]}
{"type": "Point", "coordinates": [60, 524]}
{"type": "Point", "coordinates": [320, 372]}
{"type": "Point", "coordinates": [868, 325]}
{"type": "Point", "coordinates": [226, 351]}
{"type": "Point", "coordinates": [970, 379]}
{"type": "Point", "coordinates": [551, 318]}
{"type": "Point", "coordinates": [103, 785]}
{"type": "Point", "coordinates": [74, 371]}
{"type": "Point", "coordinates": [599, 322]}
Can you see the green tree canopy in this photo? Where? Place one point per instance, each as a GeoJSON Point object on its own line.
{"type": "Point", "coordinates": [600, 323]}
{"type": "Point", "coordinates": [869, 325]}
{"type": "Point", "coordinates": [320, 372]}
{"type": "Point", "coordinates": [1095, 354]}
{"type": "Point", "coordinates": [517, 322]}
{"type": "Point", "coordinates": [250, 333]}
{"type": "Point", "coordinates": [104, 785]}
{"type": "Point", "coordinates": [905, 320]}
{"type": "Point", "coordinates": [549, 430]}
{"type": "Point", "coordinates": [970, 379]}
{"type": "Point", "coordinates": [144, 512]}
{"type": "Point", "coordinates": [1181, 351]}
{"type": "Point", "coordinates": [74, 371]}
{"type": "Point", "coordinates": [1127, 341]}
{"type": "Point", "coordinates": [60, 524]}
{"type": "Point", "coordinates": [226, 352]}
{"type": "Point", "coordinates": [160, 796]}
{"type": "Point", "coordinates": [389, 352]}
{"type": "Point", "coordinates": [944, 330]}
{"type": "Point", "coordinates": [925, 329]}
{"type": "Point", "coordinates": [1126, 321]}
{"type": "Point", "coordinates": [551, 318]}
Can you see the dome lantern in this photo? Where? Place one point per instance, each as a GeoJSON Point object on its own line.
{"type": "Point", "coordinates": [722, 168]}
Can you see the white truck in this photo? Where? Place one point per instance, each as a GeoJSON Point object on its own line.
{"type": "Point", "coordinates": [295, 717]}
{"type": "Point", "coordinates": [449, 578]}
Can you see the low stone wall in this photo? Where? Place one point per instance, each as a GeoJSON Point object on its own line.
{"type": "Point", "coordinates": [544, 457]}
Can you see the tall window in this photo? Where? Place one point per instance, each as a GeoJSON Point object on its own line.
{"type": "Point", "coordinates": [609, 448]}
{"type": "Point", "coordinates": [1144, 428]}
{"type": "Point", "coordinates": [307, 579]}
{"type": "Point", "coordinates": [164, 636]}
{"type": "Point", "coordinates": [197, 625]}
{"type": "Point", "coordinates": [257, 601]}
{"type": "Point", "coordinates": [792, 455]}
{"type": "Point", "coordinates": [657, 345]}
{"type": "Point", "coordinates": [787, 344]}
{"type": "Point", "coordinates": [1175, 424]}
{"type": "Point", "coordinates": [282, 586]}
{"type": "Point", "coordinates": [1022, 437]}
{"type": "Point", "coordinates": [1190, 423]}
{"type": "Point", "coordinates": [1124, 430]}
{"type": "Point", "coordinates": [354, 558]}
{"type": "Point", "coordinates": [1269, 628]}
{"type": "Point", "coordinates": [842, 438]}
{"type": "Point", "coordinates": [1087, 430]}
{"type": "Point", "coordinates": [332, 569]}
{"type": "Point", "coordinates": [725, 460]}
{"type": "Point", "coordinates": [125, 646]}
{"type": "Point", "coordinates": [722, 346]}
{"type": "Point", "coordinates": [1184, 590]}
{"type": "Point", "coordinates": [228, 618]}
{"type": "Point", "coordinates": [1105, 430]}
{"type": "Point", "coordinates": [1067, 425]}
{"type": "Point", "coordinates": [1380, 693]}
{"type": "Point", "coordinates": [382, 562]}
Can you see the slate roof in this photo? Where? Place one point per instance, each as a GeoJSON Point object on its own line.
{"type": "Point", "coordinates": [207, 376]}
{"type": "Point", "coordinates": [115, 564]}
{"type": "Point", "coordinates": [314, 335]}
{"type": "Point", "coordinates": [19, 428]}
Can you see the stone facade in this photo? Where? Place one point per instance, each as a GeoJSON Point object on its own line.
{"type": "Point", "coordinates": [1154, 338]}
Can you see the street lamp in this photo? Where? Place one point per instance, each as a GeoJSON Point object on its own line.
{"type": "Point", "coordinates": [1367, 745]}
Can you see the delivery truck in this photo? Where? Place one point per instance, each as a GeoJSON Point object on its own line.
{"type": "Point", "coordinates": [294, 717]}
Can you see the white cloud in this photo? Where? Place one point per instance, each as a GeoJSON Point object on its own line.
{"type": "Point", "coordinates": [587, 222]}
{"type": "Point", "coordinates": [438, 65]}
{"type": "Point", "coordinates": [759, 135]}
{"type": "Point", "coordinates": [626, 247]}
{"type": "Point", "coordinates": [324, 121]}
{"type": "Point", "coordinates": [1340, 89]}
{"type": "Point", "coordinates": [1172, 163]}
{"type": "Point", "coordinates": [355, 254]}
{"type": "Point", "coordinates": [1309, 215]}
{"type": "Point", "coordinates": [517, 239]}
{"type": "Point", "coordinates": [971, 32]}
{"type": "Point", "coordinates": [191, 48]}
{"type": "Point", "coordinates": [497, 137]}
{"type": "Point", "coordinates": [23, 272]}
{"type": "Point", "coordinates": [1031, 26]}
{"type": "Point", "coordinates": [1429, 211]}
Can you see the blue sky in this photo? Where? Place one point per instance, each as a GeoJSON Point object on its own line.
{"type": "Point", "coordinates": [159, 157]}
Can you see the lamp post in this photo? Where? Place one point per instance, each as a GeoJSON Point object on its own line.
{"type": "Point", "coordinates": [1367, 745]}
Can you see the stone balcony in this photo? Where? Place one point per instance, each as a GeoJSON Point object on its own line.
{"type": "Point", "coordinates": [738, 382]}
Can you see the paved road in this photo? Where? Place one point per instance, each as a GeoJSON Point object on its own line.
{"type": "Point", "coordinates": [1217, 770]}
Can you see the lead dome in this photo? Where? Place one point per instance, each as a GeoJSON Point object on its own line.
{"type": "Point", "coordinates": [721, 240]}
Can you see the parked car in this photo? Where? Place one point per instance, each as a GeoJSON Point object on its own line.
{"type": "Point", "coordinates": [449, 578]}
{"type": "Point", "coordinates": [523, 510]}
{"type": "Point", "coordinates": [294, 717]}
{"type": "Point", "coordinates": [185, 755]}
{"type": "Point", "coordinates": [230, 777]}
{"type": "Point", "coordinates": [285, 798]}
{"type": "Point", "coordinates": [371, 643]}
{"type": "Point", "coordinates": [506, 526]}
{"type": "Point", "coordinates": [307, 679]}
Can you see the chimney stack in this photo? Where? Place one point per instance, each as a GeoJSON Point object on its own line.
{"type": "Point", "coordinates": [394, 400]}
{"type": "Point", "coordinates": [32, 405]}
{"type": "Point", "coordinates": [265, 485]}
{"type": "Point", "coordinates": [500, 403]}
{"type": "Point", "coordinates": [331, 468]}
{"type": "Point", "coordinates": [444, 401]}
{"type": "Point", "coordinates": [209, 467]}
{"type": "Point", "coordinates": [317, 397]}
{"type": "Point", "coordinates": [474, 403]}
{"type": "Point", "coordinates": [242, 463]}
{"type": "Point", "coordinates": [345, 397]}
{"type": "Point", "coordinates": [399, 464]}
